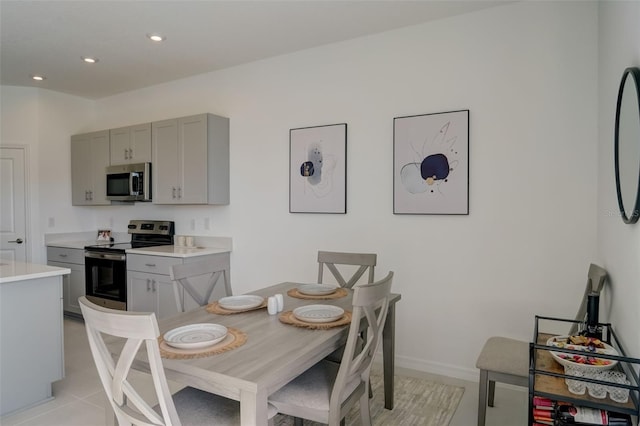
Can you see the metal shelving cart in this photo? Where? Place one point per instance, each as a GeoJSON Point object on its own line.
{"type": "Point", "coordinates": [547, 376]}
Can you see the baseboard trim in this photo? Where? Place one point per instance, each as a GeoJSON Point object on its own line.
{"type": "Point", "coordinates": [468, 374]}
{"type": "Point", "coordinates": [447, 370]}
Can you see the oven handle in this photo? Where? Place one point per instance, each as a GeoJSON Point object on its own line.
{"type": "Point", "coordinates": [107, 256]}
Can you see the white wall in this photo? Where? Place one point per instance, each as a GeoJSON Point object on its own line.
{"type": "Point", "coordinates": [618, 243]}
{"type": "Point", "coordinates": [528, 74]}
{"type": "Point", "coordinates": [42, 121]}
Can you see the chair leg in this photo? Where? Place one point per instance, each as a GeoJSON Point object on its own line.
{"type": "Point", "coordinates": [482, 397]}
{"type": "Point", "coordinates": [492, 392]}
{"type": "Point", "coordinates": [365, 413]}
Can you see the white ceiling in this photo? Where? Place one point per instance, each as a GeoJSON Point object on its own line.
{"type": "Point", "coordinates": [49, 37]}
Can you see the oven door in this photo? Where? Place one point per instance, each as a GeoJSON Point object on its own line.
{"type": "Point", "coordinates": [106, 279]}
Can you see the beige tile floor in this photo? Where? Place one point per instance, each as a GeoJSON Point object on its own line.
{"type": "Point", "coordinates": [79, 398]}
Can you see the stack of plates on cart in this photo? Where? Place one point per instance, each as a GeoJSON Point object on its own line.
{"type": "Point", "coordinates": [195, 336]}
{"type": "Point", "coordinates": [318, 313]}
{"type": "Point", "coordinates": [240, 303]}
{"type": "Point", "coordinates": [316, 289]}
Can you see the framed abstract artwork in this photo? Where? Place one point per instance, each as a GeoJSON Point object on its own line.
{"type": "Point", "coordinates": [431, 163]}
{"type": "Point", "coordinates": [318, 169]}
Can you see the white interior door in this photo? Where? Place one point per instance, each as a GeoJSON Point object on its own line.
{"type": "Point", "coordinates": [13, 204]}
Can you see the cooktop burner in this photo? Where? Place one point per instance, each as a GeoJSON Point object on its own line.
{"type": "Point", "coordinates": [122, 246]}
{"type": "Point", "coordinates": [144, 233]}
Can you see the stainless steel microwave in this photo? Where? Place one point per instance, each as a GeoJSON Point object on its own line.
{"type": "Point", "coordinates": [129, 182]}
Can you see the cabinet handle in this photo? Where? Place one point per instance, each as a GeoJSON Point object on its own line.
{"type": "Point", "coordinates": [150, 265]}
{"type": "Point", "coordinates": [126, 154]}
{"type": "Point", "coordinates": [148, 284]}
{"type": "Point", "coordinates": [63, 255]}
{"type": "Point", "coordinates": [180, 192]}
{"type": "Point", "coordinates": [153, 285]}
{"type": "Point", "coordinates": [90, 195]}
{"type": "Point", "coordinates": [173, 192]}
{"type": "Point", "coordinates": [130, 153]}
{"type": "Point", "coordinates": [86, 195]}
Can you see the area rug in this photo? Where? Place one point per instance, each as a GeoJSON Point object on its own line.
{"type": "Point", "coordinates": [417, 402]}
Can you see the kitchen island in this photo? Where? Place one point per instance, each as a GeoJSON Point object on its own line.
{"type": "Point", "coordinates": [31, 333]}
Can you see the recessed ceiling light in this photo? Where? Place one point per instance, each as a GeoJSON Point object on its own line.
{"type": "Point", "coordinates": [156, 37]}
{"type": "Point", "coordinates": [38, 77]}
{"type": "Point", "coordinates": [89, 59]}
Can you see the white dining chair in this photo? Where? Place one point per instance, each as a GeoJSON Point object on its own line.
{"type": "Point", "coordinates": [198, 280]}
{"type": "Point", "coordinates": [364, 262]}
{"type": "Point", "coordinates": [327, 391]}
{"type": "Point", "coordinates": [189, 406]}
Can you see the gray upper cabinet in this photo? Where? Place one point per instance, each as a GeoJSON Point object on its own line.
{"type": "Point", "coordinates": [190, 162]}
{"type": "Point", "coordinates": [131, 144]}
{"type": "Point", "coordinates": [89, 159]}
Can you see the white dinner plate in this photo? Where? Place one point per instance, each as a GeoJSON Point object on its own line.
{"type": "Point", "coordinates": [589, 361]}
{"type": "Point", "coordinates": [239, 303]}
{"type": "Point", "coordinates": [195, 336]}
{"type": "Point", "coordinates": [318, 313]}
{"type": "Point", "coordinates": [316, 289]}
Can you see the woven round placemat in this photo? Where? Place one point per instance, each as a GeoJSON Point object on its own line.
{"type": "Point", "coordinates": [215, 308]}
{"type": "Point", "coordinates": [341, 292]}
{"type": "Point", "coordinates": [235, 338]}
{"type": "Point", "coordinates": [287, 317]}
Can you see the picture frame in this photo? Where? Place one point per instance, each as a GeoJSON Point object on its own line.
{"type": "Point", "coordinates": [104, 235]}
{"type": "Point", "coordinates": [318, 169]}
{"type": "Point", "coordinates": [431, 163]}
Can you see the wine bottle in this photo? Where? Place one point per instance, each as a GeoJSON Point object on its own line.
{"type": "Point", "coordinates": [593, 306]}
{"type": "Point", "coordinates": [585, 416]}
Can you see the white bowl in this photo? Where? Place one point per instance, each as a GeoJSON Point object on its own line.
{"type": "Point", "coordinates": [239, 303]}
{"type": "Point", "coordinates": [316, 289]}
{"type": "Point", "coordinates": [195, 336]}
{"type": "Point", "coordinates": [318, 313]}
{"type": "Point", "coordinates": [589, 361]}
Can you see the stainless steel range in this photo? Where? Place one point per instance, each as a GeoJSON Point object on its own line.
{"type": "Point", "coordinates": [106, 264]}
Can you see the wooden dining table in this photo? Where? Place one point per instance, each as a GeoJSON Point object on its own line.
{"type": "Point", "coordinates": [274, 352]}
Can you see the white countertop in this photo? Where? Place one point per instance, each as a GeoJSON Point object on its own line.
{"type": "Point", "coordinates": [11, 271]}
{"type": "Point", "coordinates": [205, 245]}
{"type": "Point", "coordinates": [178, 251]}
{"type": "Point", "coordinates": [75, 244]}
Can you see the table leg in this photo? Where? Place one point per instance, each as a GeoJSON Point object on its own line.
{"type": "Point", "coordinates": [388, 355]}
{"type": "Point", "coordinates": [253, 408]}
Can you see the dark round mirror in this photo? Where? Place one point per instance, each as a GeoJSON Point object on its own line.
{"type": "Point", "coordinates": [627, 146]}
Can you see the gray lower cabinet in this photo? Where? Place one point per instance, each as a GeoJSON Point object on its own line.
{"type": "Point", "coordinates": [149, 286]}
{"type": "Point", "coordinates": [151, 293]}
{"type": "Point", "coordinates": [73, 285]}
{"type": "Point", "coordinates": [31, 341]}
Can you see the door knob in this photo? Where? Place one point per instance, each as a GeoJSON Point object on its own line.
{"type": "Point", "coordinates": [19, 241]}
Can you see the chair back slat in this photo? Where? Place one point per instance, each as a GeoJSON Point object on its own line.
{"type": "Point", "coordinates": [184, 276]}
{"type": "Point", "coordinates": [136, 328]}
{"type": "Point", "coordinates": [365, 261]}
{"type": "Point", "coordinates": [370, 306]}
